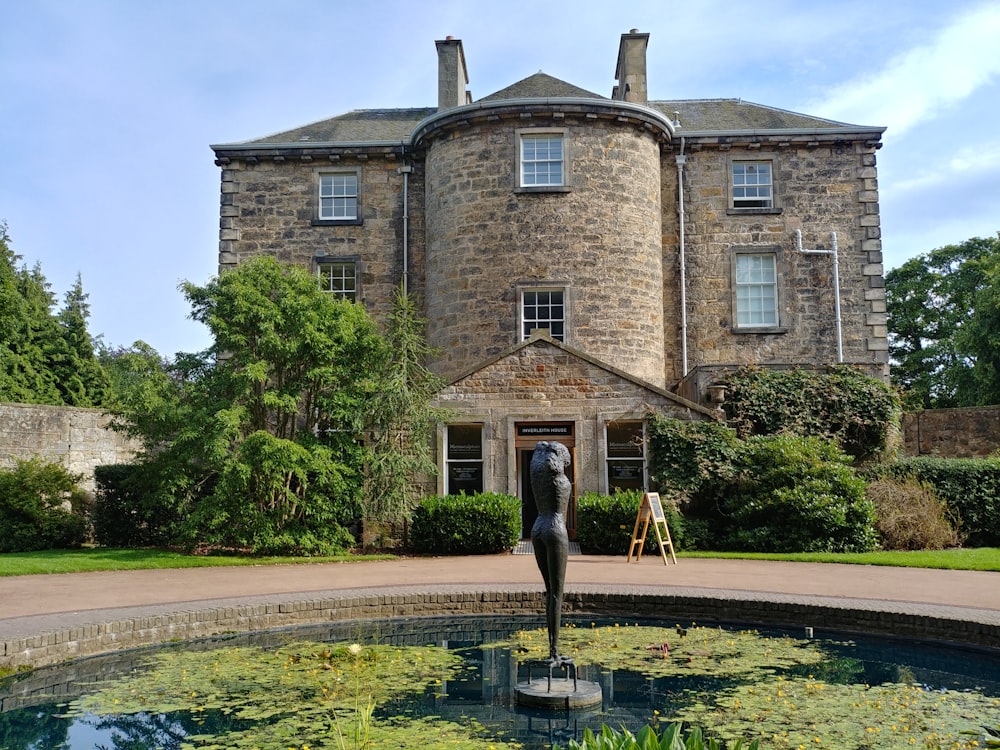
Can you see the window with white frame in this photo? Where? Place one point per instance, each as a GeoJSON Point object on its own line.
{"type": "Point", "coordinates": [339, 277]}
{"type": "Point", "coordinates": [543, 309]}
{"type": "Point", "coordinates": [752, 184]}
{"type": "Point", "coordinates": [338, 196]}
{"type": "Point", "coordinates": [756, 290]}
{"type": "Point", "coordinates": [626, 459]}
{"type": "Point", "coordinates": [464, 459]}
{"type": "Point", "coordinates": [542, 160]}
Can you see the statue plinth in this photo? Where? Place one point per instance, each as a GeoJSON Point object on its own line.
{"type": "Point", "coordinates": [557, 693]}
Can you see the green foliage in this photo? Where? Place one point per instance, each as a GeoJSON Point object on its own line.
{"type": "Point", "coordinates": [690, 456]}
{"type": "Point", "coordinates": [691, 651]}
{"type": "Point", "coordinates": [673, 738]}
{"type": "Point", "coordinates": [45, 358]}
{"type": "Point", "coordinates": [910, 516]}
{"type": "Point", "coordinates": [302, 695]}
{"type": "Point", "coordinates": [888, 717]}
{"type": "Point", "coordinates": [283, 350]}
{"type": "Point", "coordinates": [279, 497]}
{"type": "Point", "coordinates": [944, 319]}
{"type": "Point", "coordinates": [796, 494]}
{"type": "Point", "coordinates": [399, 417]}
{"type": "Point", "coordinates": [970, 487]}
{"type": "Point", "coordinates": [299, 419]}
{"type": "Point", "coordinates": [840, 403]}
{"type": "Point", "coordinates": [125, 513]}
{"type": "Point", "coordinates": [480, 524]}
{"type": "Point", "coordinates": [41, 507]}
{"type": "Point", "coordinates": [768, 493]}
{"type": "Point", "coordinates": [605, 523]}
{"type": "Point", "coordinates": [254, 442]}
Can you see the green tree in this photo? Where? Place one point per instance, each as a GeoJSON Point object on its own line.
{"type": "Point", "coordinates": [941, 305]}
{"type": "Point", "coordinates": [80, 377]}
{"type": "Point", "coordinates": [400, 418]}
{"type": "Point", "coordinates": [981, 334]}
{"type": "Point", "coordinates": [300, 417]}
{"type": "Point", "coordinates": [44, 358]}
{"type": "Point", "coordinates": [24, 311]}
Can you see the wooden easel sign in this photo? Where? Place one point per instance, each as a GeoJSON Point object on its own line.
{"type": "Point", "coordinates": [651, 511]}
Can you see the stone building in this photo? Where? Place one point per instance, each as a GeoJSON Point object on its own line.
{"type": "Point", "coordinates": [580, 259]}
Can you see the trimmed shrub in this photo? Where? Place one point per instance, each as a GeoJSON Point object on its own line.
{"type": "Point", "coordinates": [795, 494]}
{"type": "Point", "coordinates": [605, 523]}
{"type": "Point", "coordinates": [481, 524]}
{"type": "Point", "coordinates": [910, 516]}
{"type": "Point", "coordinates": [126, 513]}
{"type": "Point", "coordinates": [41, 507]}
{"type": "Point", "coordinates": [970, 487]}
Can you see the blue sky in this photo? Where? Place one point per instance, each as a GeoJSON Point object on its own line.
{"type": "Point", "coordinates": [108, 107]}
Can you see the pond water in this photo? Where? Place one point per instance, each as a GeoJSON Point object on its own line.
{"type": "Point", "coordinates": [333, 686]}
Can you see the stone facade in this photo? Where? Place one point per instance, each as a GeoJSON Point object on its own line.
{"type": "Point", "coordinates": [77, 439]}
{"type": "Point", "coordinates": [672, 240]}
{"type": "Point", "coordinates": [600, 241]}
{"type": "Point", "coordinates": [821, 186]}
{"type": "Point", "coordinates": [542, 389]}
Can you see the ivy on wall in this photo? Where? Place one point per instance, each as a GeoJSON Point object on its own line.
{"type": "Point", "coordinates": [858, 412]}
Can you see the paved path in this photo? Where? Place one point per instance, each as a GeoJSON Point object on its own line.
{"type": "Point", "coordinates": [40, 603]}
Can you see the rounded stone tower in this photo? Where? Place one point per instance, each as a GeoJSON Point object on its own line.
{"type": "Point", "coordinates": [530, 197]}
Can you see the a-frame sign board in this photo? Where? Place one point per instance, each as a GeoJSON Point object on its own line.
{"type": "Point", "coordinates": [651, 511]}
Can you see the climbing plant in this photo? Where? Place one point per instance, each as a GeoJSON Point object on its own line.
{"type": "Point", "coordinates": [841, 403]}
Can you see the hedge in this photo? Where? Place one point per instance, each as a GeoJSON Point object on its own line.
{"type": "Point", "coordinates": [480, 524]}
{"type": "Point", "coordinates": [969, 486]}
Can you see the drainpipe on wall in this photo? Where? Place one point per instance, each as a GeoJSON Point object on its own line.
{"type": "Point", "coordinates": [405, 171]}
{"type": "Point", "coordinates": [681, 159]}
{"type": "Point", "coordinates": [836, 284]}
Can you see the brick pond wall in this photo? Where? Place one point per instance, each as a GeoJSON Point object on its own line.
{"type": "Point", "coordinates": [103, 636]}
{"type": "Point", "coordinates": [78, 439]}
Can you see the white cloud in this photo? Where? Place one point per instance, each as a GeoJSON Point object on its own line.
{"type": "Point", "coordinates": [918, 83]}
{"type": "Point", "coordinates": [964, 164]}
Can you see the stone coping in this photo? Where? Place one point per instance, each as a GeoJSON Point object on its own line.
{"type": "Point", "coordinates": [50, 639]}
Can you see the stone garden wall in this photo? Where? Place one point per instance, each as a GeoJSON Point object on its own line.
{"type": "Point", "coordinates": [78, 439]}
{"type": "Point", "coordinates": [972, 432]}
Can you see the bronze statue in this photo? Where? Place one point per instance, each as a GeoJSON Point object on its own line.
{"type": "Point", "coordinates": [549, 537]}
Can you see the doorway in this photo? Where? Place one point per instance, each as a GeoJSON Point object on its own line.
{"type": "Point", "coordinates": [527, 435]}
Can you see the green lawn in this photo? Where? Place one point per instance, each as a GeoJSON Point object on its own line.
{"type": "Point", "coordinates": [76, 561]}
{"type": "Point", "coordinates": [978, 558]}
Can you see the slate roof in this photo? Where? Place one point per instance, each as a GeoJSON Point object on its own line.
{"type": "Point", "coordinates": [721, 115]}
{"type": "Point", "coordinates": [696, 116]}
{"type": "Point", "coordinates": [541, 86]}
{"type": "Point", "coordinates": [356, 126]}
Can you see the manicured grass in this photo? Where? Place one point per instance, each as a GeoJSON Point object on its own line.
{"type": "Point", "coordinates": [84, 560]}
{"type": "Point", "coordinates": [981, 558]}
{"type": "Point", "coordinates": [78, 561]}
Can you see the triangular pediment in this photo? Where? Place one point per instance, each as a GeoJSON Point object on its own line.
{"type": "Point", "coordinates": [543, 371]}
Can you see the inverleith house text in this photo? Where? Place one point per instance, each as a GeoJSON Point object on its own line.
{"type": "Point", "coordinates": [580, 260]}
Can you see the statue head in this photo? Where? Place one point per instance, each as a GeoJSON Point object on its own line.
{"type": "Point", "coordinates": [550, 457]}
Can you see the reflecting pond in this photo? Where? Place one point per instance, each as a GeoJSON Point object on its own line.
{"type": "Point", "coordinates": [449, 682]}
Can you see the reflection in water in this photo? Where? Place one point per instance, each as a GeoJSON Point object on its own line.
{"type": "Point", "coordinates": [479, 695]}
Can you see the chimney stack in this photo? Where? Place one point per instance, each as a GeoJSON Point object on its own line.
{"type": "Point", "coordinates": [631, 70]}
{"type": "Point", "coordinates": [452, 75]}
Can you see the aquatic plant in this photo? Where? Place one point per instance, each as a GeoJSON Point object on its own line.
{"type": "Point", "coordinates": [671, 652]}
{"type": "Point", "coordinates": [311, 696]}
